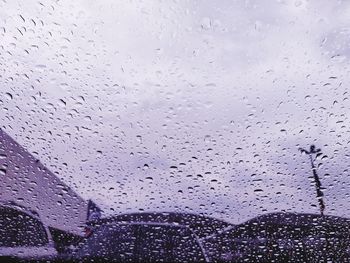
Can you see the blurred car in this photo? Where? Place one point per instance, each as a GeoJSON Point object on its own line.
{"type": "Point", "coordinates": [282, 237]}
{"type": "Point", "coordinates": [140, 242]}
{"type": "Point", "coordinates": [200, 225]}
{"type": "Point", "coordinates": [23, 235]}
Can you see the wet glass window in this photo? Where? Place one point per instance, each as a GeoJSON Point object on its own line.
{"type": "Point", "coordinates": [225, 122]}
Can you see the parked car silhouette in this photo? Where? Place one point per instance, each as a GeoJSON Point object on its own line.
{"type": "Point", "coordinates": [23, 235]}
{"type": "Point", "coordinates": [140, 242]}
{"type": "Point", "coordinates": [282, 237]}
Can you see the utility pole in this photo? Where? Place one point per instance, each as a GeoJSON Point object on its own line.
{"type": "Point", "coordinates": [319, 193]}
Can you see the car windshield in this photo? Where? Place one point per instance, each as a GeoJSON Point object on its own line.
{"type": "Point", "coordinates": [18, 229]}
{"type": "Point", "coordinates": [228, 119]}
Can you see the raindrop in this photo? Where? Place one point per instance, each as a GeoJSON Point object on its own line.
{"type": "Point", "coordinates": [8, 96]}
{"type": "Point", "coordinates": [139, 138]}
{"type": "Point", "coordinates": [62, 103]}
{"type": "Point", "coordinates": [2, 171]}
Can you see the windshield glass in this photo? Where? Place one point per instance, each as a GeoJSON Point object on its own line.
{"type": "Point", "coordinates": [228, 118]}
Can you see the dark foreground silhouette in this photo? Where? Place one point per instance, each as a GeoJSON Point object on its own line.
{"type": "Point", "coordinates": [171, 237]}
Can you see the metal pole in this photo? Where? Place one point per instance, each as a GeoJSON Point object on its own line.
{"type": "Point", "coordinates": [319, 193]}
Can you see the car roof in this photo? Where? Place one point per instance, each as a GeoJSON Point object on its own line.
{"type": "Point", "coordinates": [15, 206]}
{"type": "Point", "coordinates": [201, 225]}
{"type": "Point", "coordinates": [98, 223]}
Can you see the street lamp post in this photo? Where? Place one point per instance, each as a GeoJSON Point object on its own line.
{"type": "Point", "coordinates": [319, 193]}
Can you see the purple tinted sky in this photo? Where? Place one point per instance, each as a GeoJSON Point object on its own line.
{"type": "Point", "coordinates": [182, 105]}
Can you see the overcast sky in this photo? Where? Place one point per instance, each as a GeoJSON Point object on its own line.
{"type": "Point", "coordinates": [191, 106]}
